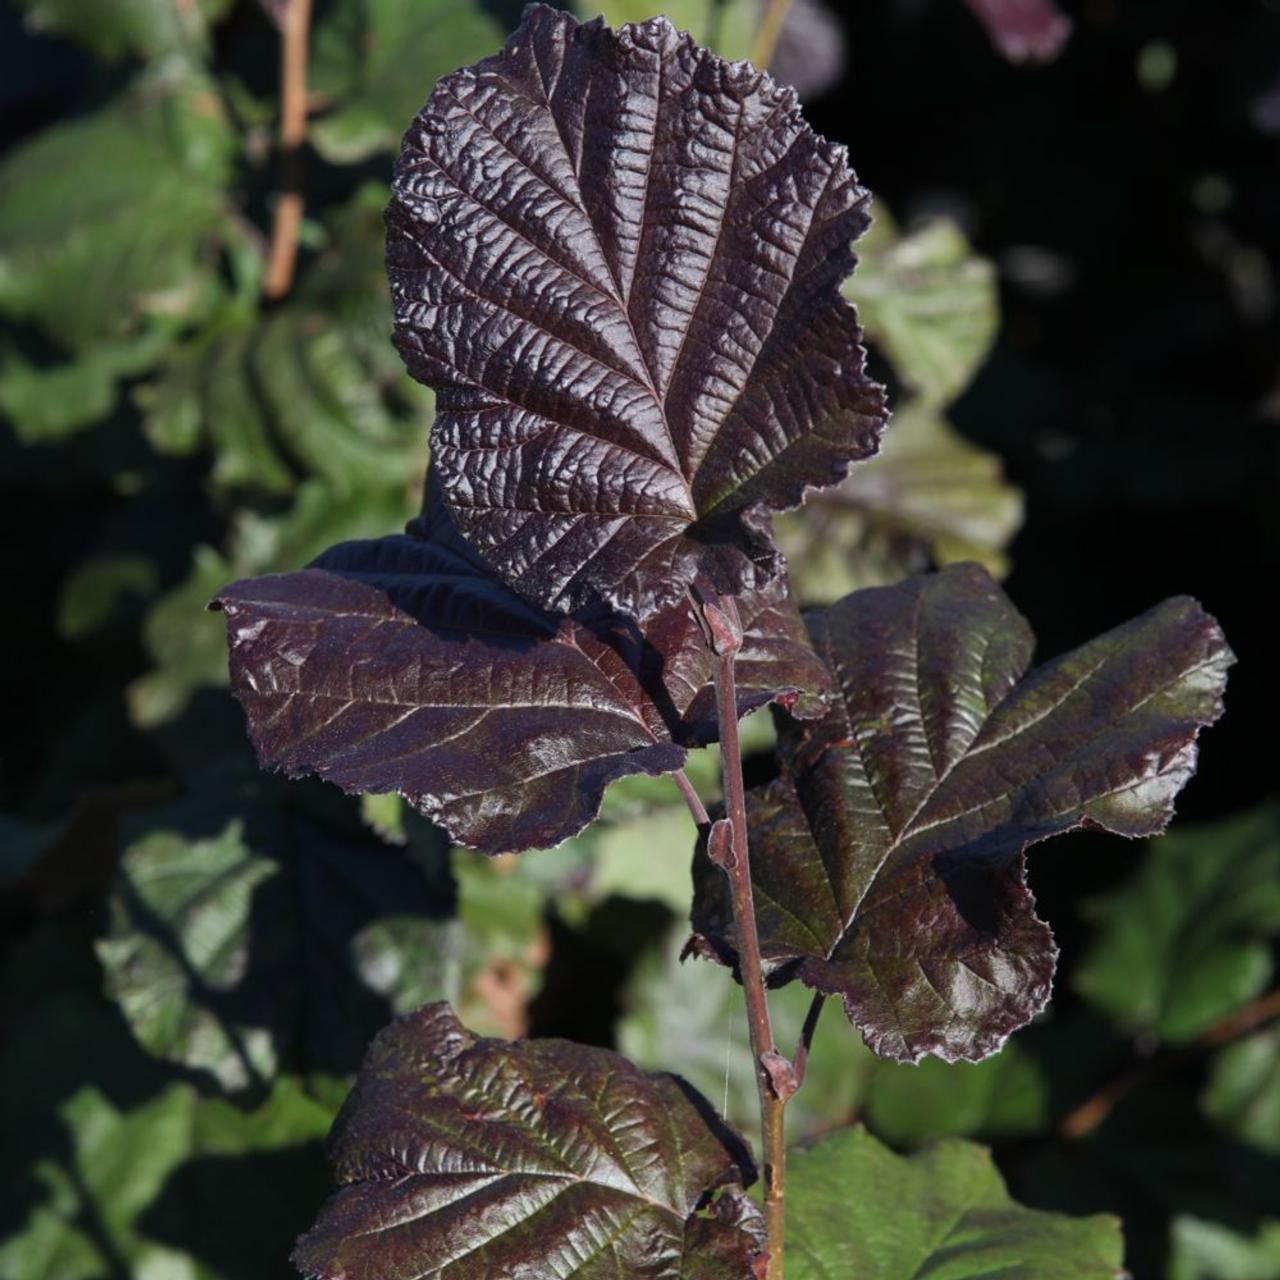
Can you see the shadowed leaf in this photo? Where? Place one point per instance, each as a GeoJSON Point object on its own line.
{"type": "Point", "coordinates": [929, 494]}
{"type": "Point", "coordinates": [928, 303]}
{"type": "Point", "coordinates": [114, 28]}
{"type": "Point", "coordinates": [101, 1192]}
{"type": "Point", "coordinates": [1188, 940]}
{"type": "Point", "coordinates": [374, 62]}
{"type": "Point", "coordinates": [617, 258]}
{"type": "Point", "coordinates": [1209, 1251]}
{"type": "Point", "coordinates": [474, 1158]}
{"type": "Point", "coordinates": [403, 665]}
{"type": "Point", "coordinates": [250, 935]}
{"type": "Point", "coordinates": [1243, 1094]}
{"type": "Point", "coordinates": [187, 645]}
{"type": "Point", "coordinates": [856, 1211]}
{"type": "Point", "coordinates": [127, 252]}
{"type": "Point", "coordinates": [889, 856]}
{"type": "Point", "coordinates": [310, 388]}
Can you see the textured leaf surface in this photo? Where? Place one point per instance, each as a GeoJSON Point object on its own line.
{"type": "Point", "coordinates": [313, 387]}
{"type": "Point", "coordinates": [928, 302]}
{"type": "Point", "coordinates": [928, 495]}
{"type": "Point", "coordinates": [856, 1211]}
{"type": "Point", "coordinates": [1189, 939]}
{"type": "Point", "coordinates": [114, 28]}
{"type": "Point", "coordinates": [403, 665]}
{"type": "Point", "coordinates": [1024, 30]}
{"type": "Point", "coordinates": [374, 62]}
{"type": "Point", "coordinates": [280, 940]}
{"type": "Point", "coordinates": [889, 856]}
{"type": "Point", "coordinates": [617, 260]}
{"type": "Point", "coordinates": [479, 1158]}
{"type": "Point", "coordinates": [106, 259]}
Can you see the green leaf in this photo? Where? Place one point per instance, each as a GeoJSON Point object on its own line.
{"type": "Point", "coordinates": [1004, 1096]}
{"type": "Point", "coordinates": [135, 1189]}
{"type": "Point", "coordinates": [1209, 1251]}
{"type": "Point", "coordinates": [376, 60]}
{"type": "Point", "coordinates": [1187, 940]}
{"type": "Point", "coordinates": [1243, 1094]}
{"type": "Point", "coordinates": [107, 223]}
{"type": "Point", "coordinates": [44, 403]}
{"type": "Point", "coordinates": [91, 595]}
{"type": "Point", "coordinates": [856, 1211]}
{"type": "Point", "coordinates": [928, 496]}
{"type": "Point", "coordinates": [253, 931]}
{"type": "Point", "coordinates": [116, 28]}
{"type": "Point", "coordinates": [187, 644]}
{"type": "Point", "coordinates": [313, 387]}
{"type": "Point", "coordinates": [477, 1158]}
{"type": "Point", "coordinates": [928, 302]}
{"type": "Point", "coordinates": [690, 1018]}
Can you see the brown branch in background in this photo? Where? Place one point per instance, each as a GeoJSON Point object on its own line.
{"type": "Point", "coordinates": [775, 14]}
{"type": "Point", "coordinates": [295, 30]}
{"type": "Point", "coordinates": [1091, 1113]}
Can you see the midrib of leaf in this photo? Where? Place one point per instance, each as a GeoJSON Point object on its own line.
{"type": "Point", "coordinates": [907, 832]}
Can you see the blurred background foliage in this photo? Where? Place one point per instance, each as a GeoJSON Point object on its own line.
{"type": "Point", "coordinates": [1071, 289]}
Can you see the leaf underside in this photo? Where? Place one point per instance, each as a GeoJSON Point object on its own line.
{"type": "Point", "coordinates": [401, 664]}
{"type": "Point", "coordinates": [617, 259]}
{"type": "Point", "coordinates": [467, 1159]}
{"type": "Point", "coordinates": [888, 857]}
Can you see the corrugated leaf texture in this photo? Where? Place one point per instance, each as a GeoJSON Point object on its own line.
{"type": "Point", "coordinates": [888, 857]}
{"type": "Point", "coordinates": [617, 258]}
{"type": "Point", "coordinates": [402, 665]}
{"type": "Point", "coordinates": [481, 1158]}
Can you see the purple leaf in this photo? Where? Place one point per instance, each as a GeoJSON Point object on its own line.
{"type": "Point", "coordinates": [617, 259]}
{"type": "Point", "coordinates": [889, 856]}
{"type": "Point", "coordinates": [1024, 30]}
{"type": "Point", "coordinates": [481, 1158]}
{"type": "Point", "coordinates": [400, 664]}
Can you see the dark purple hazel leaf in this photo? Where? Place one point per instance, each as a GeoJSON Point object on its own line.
{"type": "Point", "coordinates": [888, 859]}
{"type": "Point", "coordinates": [401, 664]}
{"type": "Point", "coordinates": [1024, 30]}
{"type": "Point", "coordinates": [617, 258]}
{"type": "Point", "coordinates": [476, 1159]}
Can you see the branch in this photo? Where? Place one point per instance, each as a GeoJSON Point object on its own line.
{"type": "Point", "coordinates": [724, 635]}
{"type": "Point", "coordinates": [775, 16]}
{"type": "Point", "coordinates": [295, 28]}
{"type": "Point", "coordinates": [1091, 1113]}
